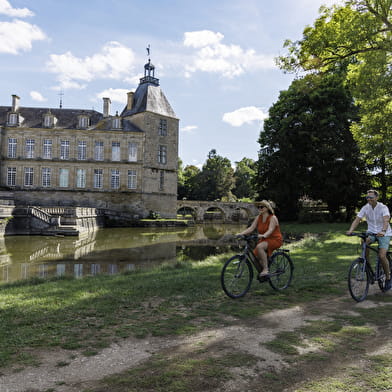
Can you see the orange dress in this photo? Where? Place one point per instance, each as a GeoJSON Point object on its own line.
{"type": "Point", "coordinates": [275, 239]}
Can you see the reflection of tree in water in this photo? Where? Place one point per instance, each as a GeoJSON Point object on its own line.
{"type": "Point", "coordinates": [198, 253]}
{"type": "Point", "coordinates": [214, 232]}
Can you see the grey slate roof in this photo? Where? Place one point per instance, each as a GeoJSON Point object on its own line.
{"type": "Point", "coordinates": [149, 97]}
{"type": "Point", "coordinates": [66, 118]}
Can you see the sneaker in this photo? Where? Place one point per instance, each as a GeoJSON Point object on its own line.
{"type": "Point", "coordinates": [388, 284]}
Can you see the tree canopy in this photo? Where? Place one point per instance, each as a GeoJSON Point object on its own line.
{"type": "Point", "coordinates": [355, 38]}
{"type": "Point", "coordinates": [307, 148]}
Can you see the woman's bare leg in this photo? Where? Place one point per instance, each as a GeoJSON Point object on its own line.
{"type": "Point", "coordinates": [261, 251]}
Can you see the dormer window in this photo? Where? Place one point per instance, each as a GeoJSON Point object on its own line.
{"type": "Point", "coordinates": [49, 120]}
{"type": "Point", "coordinates": [84, 122]}
{"type": "Point", "coordinates": [116, 123]}
{"type": "Point", "coordinates": [13, 119]}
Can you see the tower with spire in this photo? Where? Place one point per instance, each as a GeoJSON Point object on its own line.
{"type": "Point", "coordinates": [149, 109]}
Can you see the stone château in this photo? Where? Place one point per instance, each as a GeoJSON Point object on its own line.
{"type": "Point", "coordinates": [125, 162]}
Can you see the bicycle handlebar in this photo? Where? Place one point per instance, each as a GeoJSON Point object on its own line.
{"type": "Point", "coordinates": [249, 237]}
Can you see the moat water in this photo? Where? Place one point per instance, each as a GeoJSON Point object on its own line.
{"type": "Point", "coordinates": [110, 251]}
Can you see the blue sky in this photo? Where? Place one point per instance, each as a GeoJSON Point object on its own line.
{"type": "Point", "coordinates": [214, 59]}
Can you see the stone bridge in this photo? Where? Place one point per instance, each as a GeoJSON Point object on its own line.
{"type": "Point", "coordinates": [203, 211]}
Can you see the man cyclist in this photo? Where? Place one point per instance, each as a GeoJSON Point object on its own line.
{"type": "Point", "coordinates": [377, 217]}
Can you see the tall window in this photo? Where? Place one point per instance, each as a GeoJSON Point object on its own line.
{"type": "Point", "coordinates": [116, 123]}
{"type": "Point", "coordinates": [30, 145]}
{"type": "Point", "coordinates": [115, 151]}
{"type": "Point", "coordinates": [162, 130]}
{"type": "Point", "coordinates": [49, 121]}
{"type": "Point", "coordinates": [11, 176]}
{"type": "Point", "coordinates": [12, 148]}
{"type": "Point", "coordinates": [161, 180]}
{"type": "Point", "coordinates": [46, 176]}
{"type": "Point", "coordinates": [82, 150]}
{"type": "Point", "coordinates": [84, 122]}
{"type": "Point", "coordinates": [81, 178]}
{"type": "Point", "coordinates": [132, 152]}
{"type": "Point", "coordinates": [98, 151]}
{"type": "Point", "coordinates": [64, 178]}
{"type": "Point", "coordinates": [115, 179]}
{"type": "Point", "coordinates": [28, 176]}
{"type": "Point", "coordinates": [47, 150]}
{"type": "Point", "coordinates": [162, 155]}
{"type": "Point", "coordinates": [64, 149]}
{"type": "Point", "coordinates": [131, 179]}
{"type": "Point", "coordinates": [13, 119]}
{"type": "Point", "coordinates": [98, 178]}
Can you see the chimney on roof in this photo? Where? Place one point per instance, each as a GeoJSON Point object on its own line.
{"type": "Point", "coordinates": [106, 107]}
{"type": "Point", "coordinates": [130, 100]}
{"type": "Point", "coordinates": [15, 103]}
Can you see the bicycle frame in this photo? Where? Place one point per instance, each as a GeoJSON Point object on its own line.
{"type": "Point", "coordinates": [367, 265]}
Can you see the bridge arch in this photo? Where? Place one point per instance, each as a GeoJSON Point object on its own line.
{"type": "Point", "coordinates": [228, 211]}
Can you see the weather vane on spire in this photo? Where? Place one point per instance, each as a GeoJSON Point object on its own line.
{"type": "Point", "coordinates": [148, 51]}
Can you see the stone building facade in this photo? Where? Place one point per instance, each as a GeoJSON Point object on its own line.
{"type": "Point", "coordinates": [125, 162]}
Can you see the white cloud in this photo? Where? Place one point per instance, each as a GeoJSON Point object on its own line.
{"type": "Point", "coordinates": [7, 9]}
{"type": "Point", "coordinates": [213, 56]}
{"type": "Point", "coordinates": [17, 36]}
{"type": "Point", "coordinates": [114, 61]}
{"type": "Point", "coordinates": [246, 115]}
{"type": "Point", "coordinates": [36, 96]}
{"type": "Point", "coordinates": [115, 94]}
{"type": "Point", "coordinates": [189, 128]}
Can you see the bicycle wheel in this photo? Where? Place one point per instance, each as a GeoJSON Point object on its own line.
{"type": "Point", "coordinates": [358, 280]}
{"type": "Point", "coordinates": [236, 276]}
{"type": "Point", "coordinates": [380, 274]}
{"type": "Point", "coordinates": [280, 270]}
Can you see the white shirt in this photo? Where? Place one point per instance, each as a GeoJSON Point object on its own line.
{"type": "Point", "coordinates": [375, 217]}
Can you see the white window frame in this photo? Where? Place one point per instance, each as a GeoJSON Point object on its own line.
{"type": "Point", "coordinates": [132, 152]}
{"type": "Point", "coordinates": [162, 155]}
{"type": "Point", "coordinates": [132, 179]}
{"type": "Point", "coordinates": [11, 176]}
{"type": "Point", "coordinates": [48, 121]}
{"type": "Point", "coordinates": [116, 123]}
{"type": "Point", "coordinates": [115, 179]}
{"type": "Point", "coordinates": [99, 151]}
{"type": "Point", "coordinates": [13, 119]}
{"type": "Point", "coordinates": [82, 150]}
{"type": "Point", "coordinates": [64, 150]}
{"type": "Point", "coordinates": [98, 178]}
{"type": "Point", "coordinates": [47, 148]}
{"type": "Point", "coordinates": [28, 176]}
{"type": "Point", "coordinates": [84, 122]}
{"type": "Point", "coordinates": [116, 151]}
{"type": "Point", "coordinates": [63, 178]}
{"type": "Point", "coordinates": [30, 147]}
{"type": "Point", "coordinates": [80, 178]}
{"type": "Point", "coordinates": [46, 177]}
{"type": "Point", "coordinates": [12, 147]}
{"type": "Point", "coordinates": [162, 129]}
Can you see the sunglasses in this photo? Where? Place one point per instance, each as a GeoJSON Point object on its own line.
{"type": "Point", "coordinates": [261, 207]}
{"type": "Point", "coordinates": [370, 197]}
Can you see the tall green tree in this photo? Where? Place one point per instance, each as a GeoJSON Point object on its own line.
{"type": "Point", "coordinates": [307, 148]}
{"type": "Point", "coordinates": [189, 186]}
{"type": "Point", "coordinates": [216, 178]}
{"type": "Point", "coordinates": [356, 37]}
{"type": "Point", "coordinates": [244, 174]}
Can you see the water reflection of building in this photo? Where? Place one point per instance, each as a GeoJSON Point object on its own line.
{"type": "Point", "coordinates": [107, 251]}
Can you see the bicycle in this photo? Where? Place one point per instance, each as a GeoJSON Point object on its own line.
{"type": "Point", "coordinates": [237, 272]}
{"type": "Point", "coordinates": [361, 273]}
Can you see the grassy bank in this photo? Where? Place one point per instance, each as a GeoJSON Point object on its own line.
{"type": "Point", "coordinates": [172, 299]}
{"type": "Point", "coordinates": [78, 314]}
